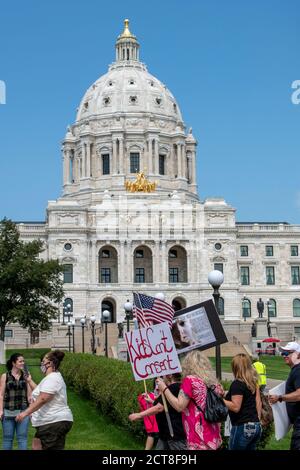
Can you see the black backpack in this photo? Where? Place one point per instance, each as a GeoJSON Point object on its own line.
{"type": "Point", "coordinates": [215, 409]}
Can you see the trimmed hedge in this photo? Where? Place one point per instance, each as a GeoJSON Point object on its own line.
{"type": "Point", "coordinates": [109, 383]}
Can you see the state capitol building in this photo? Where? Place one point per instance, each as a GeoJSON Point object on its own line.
{"type": "Point", "coordinates": [130, 218]}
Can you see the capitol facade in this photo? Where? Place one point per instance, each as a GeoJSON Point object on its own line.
{"type": "Point", "coordinates": [130, 218]}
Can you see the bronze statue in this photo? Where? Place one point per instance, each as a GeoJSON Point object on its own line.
{"type": "Point", "coordinates": [260, 308]}
{"type": "Point", "coordinates": [120, 328]}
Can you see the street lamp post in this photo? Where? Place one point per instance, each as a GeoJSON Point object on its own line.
{"type": "Point", "coordinates": [93, 320]}
{"type": "Point", "coordinates": [69, 334]}
{"type": "Point", "coordinates": [216, 278]}
{"type": "Point", "coordinates": [128, 316]}
{"type": "Point", "coordinates": [268, 312]}
{"type": "Point", "coordinates": [105, 316]}
{"type": "Point", "coordinates": [82, 322]}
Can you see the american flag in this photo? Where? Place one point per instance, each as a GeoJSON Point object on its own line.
{"type": "Point", "coordinates": [150, 310]}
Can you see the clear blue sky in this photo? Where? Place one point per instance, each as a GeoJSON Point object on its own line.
{"type": "Point", "coordinates": [230, 65]}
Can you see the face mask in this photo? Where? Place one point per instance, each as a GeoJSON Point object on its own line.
{"type": "Point", "coordinates": [44, 368]}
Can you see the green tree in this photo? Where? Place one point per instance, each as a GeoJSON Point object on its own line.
{"type": "Point", "coordinates": [30, 288]}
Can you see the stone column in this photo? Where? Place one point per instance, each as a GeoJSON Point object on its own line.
{"type": "Point", "coordinates": [189, 167]}
{"type": "Point", "coordinates": [179, 161]}
{"type": "Point", "coordinates": [121, 263]}
{"type": "Point", "coordinates": [156, 168]}
{"type": "Point", "coordinates": [121, 155]}
{"type": "Point", "coordinates": [67, 166]}
{"type": "Point", "coordinates": [94, 263]}
{"type": "Point", "coordinates": [88, 160]}
{"type": "Point", "coordinates": [114, 157]}
{"type": "Point", "coordinates": [183, 156]}
{"type": "Point", "coordinates": [149, 154]}
{"type": "Point", "coordinates": [83, 161]}
{"type": "Point", "coordinates": [193, 165]}
{"type": "Point", "coordinates": [164, 262]}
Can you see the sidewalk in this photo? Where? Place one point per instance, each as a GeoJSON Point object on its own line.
{"type": "Point", "coordinates": [270, 382]}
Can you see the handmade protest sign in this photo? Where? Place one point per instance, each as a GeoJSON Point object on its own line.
{"type": "Point", "coordinates": [152, 352]}
{"type": "Point", "coordinates": [197, 327]}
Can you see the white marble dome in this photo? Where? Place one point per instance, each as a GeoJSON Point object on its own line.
{"type": "Point", "coordinates": [128, 89]}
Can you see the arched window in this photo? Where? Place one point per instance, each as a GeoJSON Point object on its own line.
{"type": "Point", "coordinates": [272, 308]}
{"type": "Point", "coordinates": [221, 306]}
{"type": "Point", "coordinates": [296, 307]}
{"type": "Point", "coordinates": [108, 265]}
{"type": "Point", "coordinates": [142, 265]}
{"type": "Point", "coordinates": [69, 301]}
{"type": "Point", "coordinates": [67, 309]}
{"type": "Point", "coordinates": [246, 308]}
{"type": "Point", "coordinates": [177, 265]}
{"type": "Point", "coordinates": [178, 303]}
{"type": "Point", "coordinates": [109, 304]}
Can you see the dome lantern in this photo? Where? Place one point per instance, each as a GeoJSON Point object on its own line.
{"type": "Point", "coordinates": [127, 46]}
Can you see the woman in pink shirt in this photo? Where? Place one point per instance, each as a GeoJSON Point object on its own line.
{"type": "Point", "coordinates": [198, 375]}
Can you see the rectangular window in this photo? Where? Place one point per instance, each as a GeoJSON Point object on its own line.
{"type": "Point", "coordinates": [297, 331]}
{"type": "Point", "coordinates": [105, 164]}
{"type": "Point", "coordinates": [34, 336]}
{"type": "Point", "coordinates": [161, 164]}
{"type": "Point", "coordinates": [218, 267]}
{"type": "Point", "coordinates": [173, 275]}
{"type": "Point", "coordinates": [134, 163]}
{"type": "Point", "coordinates": [139, 275]}
{"type": "Point", "coordinates": [295, 271]}
{"type": "Point", "coordinates": [270, 275]}
{"type": "Point", "coordinates": [8, 333]}
{"type": "Point", "coordinates": [294, 250]}
{"type": "Point", "coordinates": [269, 250]}
{"type": "Point", "coordinates": [244, 250]}
{"type": "Point", "coordinates": [68, 273]}
{"type": "Point", "coordinates": [105, 275]}
{"type": "Point", "coordinates": [245, 276]}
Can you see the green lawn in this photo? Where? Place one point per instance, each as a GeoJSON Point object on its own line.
{"type": "Point", "coordinates": [91, 430]}
{"type": "Point", "coordinates": [276, 369]}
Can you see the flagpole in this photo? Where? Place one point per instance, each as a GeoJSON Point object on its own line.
{"type": "Point", "coordinates": [167, 415]}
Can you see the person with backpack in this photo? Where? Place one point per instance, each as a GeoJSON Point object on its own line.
{"type": "Point", "coordinates": [243, 401]}
{"type": "Point", "coordinates": [191, 401]}
{"type": "Point", "coordinates": [14, 398]}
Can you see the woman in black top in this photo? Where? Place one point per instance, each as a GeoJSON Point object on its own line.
{"type": "Point", "coordinates": [166, 441]}
{"type": "Point", "coordinates": [14, 394]}
{"type": "Point", "coordinates": [244, 405]}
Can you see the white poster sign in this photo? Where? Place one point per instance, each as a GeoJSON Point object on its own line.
{"type": "Point", "coordinates": [281, 419]}
{"type": "Point", "coordinates": [152, 352]}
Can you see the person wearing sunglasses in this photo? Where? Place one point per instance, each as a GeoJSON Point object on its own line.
{"type": "Point", "coordinates": [291, 356]}
{"type": "Point", "coordinates": [50, 414]}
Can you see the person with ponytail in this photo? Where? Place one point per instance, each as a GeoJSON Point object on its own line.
{"type": "Point", "coordinates": [49, 411]}
{"type": "Point", "coordinates": [244, 404]}
{"type": "Point", "coordinates": [14, 397]}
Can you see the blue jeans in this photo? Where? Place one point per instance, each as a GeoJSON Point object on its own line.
{"type": "Point", "coordinates": [10, 427]}
{"type": "Point", "coordinates": [244, 436]}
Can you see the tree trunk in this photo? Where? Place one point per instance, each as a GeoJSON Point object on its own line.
{"type": "Point", "coordinates": [2, 329]}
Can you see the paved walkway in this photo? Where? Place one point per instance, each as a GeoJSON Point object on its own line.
{"type": "Point", "coordinates": [270, 382]}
